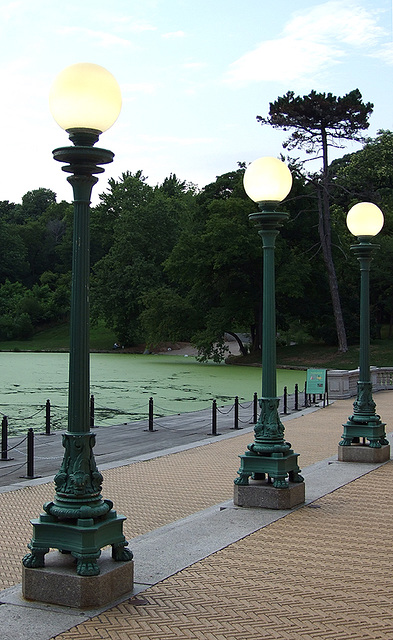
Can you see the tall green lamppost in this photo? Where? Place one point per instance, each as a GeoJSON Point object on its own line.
{"type": "Point", "coordinates": [269, 461]}
{"type": "Point", "coordinates": [85, 100]}
{"type": "Point", "coordinates": [364, 221]}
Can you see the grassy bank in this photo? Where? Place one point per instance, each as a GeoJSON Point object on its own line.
{"type": "Point", "coordinates": [381, 355]}
{"type": "Point", "coordinates": [58, 339]}
{"type": "Point", "coordinates": [322, 356]}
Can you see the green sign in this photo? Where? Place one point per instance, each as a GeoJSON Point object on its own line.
{"type": "Point", "coordinates": [316, 381]}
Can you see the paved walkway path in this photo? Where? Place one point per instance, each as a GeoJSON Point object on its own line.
{"type": "Point", "coordinates": [322, 571]}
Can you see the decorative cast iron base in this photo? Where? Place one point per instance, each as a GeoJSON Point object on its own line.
{"type": "Point", "coordinates": [269, 453]}
{"type": "Point", "coordinates": [83, 539]}
{"type": "Point", "coordinates": [279, 467]}
{"type": "Point", "coordinates": [370, 427]}
{"type": "Point", "coordinates": [78, 520]}
{"type": "Point", "coordinates": [364, 422]}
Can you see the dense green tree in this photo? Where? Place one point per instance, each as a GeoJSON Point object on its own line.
{"type": "Point", "coordinates": [35, 202]}
{"type": "Point", "coordinates": [167, 316]}
{"type": "Point", "coordinates": [217, 270]}
{"type": "Point", "coordinates": [7, 211]}
{"type": "Point", "coordinates": [13, 257]}
{"type": "Point", "coordinates": [145, 227]}
{"type": "Point", "coordinates": [319, 121]}
{"type": "Point", "coordinates": [367, 175]}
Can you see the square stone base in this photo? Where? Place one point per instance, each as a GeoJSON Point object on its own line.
{"type": "Point", "coordinates": [363, 453]}
{"type": "Point", "coordinates": [265, 496]}
{"type": "Point", "coordinates": [58, 582]}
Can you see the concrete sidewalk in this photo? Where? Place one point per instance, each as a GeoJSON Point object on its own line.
{"type": "Point", "coordinates": [207, 570]}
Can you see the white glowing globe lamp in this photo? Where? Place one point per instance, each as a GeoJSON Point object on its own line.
{"type": "Point", "coordinates": [267, 180]}
{"type": "Point", "coordinates": [365, 219]}
{"type": "Point", "coordinates": [85, 96]}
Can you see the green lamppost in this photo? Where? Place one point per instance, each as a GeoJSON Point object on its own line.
{"type": "Point", "coordinates": [364, 221]}
{"type": "Point", "coordinates": [270, 461]}
{"type": "Point", "coordinates": [85, 100]}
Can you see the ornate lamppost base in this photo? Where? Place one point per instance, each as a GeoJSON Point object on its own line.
{"type": "Point", "coordinates": [269, 453]}
{"type": "Point", "coordinates": [271, 464]}
{"type": "Point", "coordinates": [78, 522]}
{"type": "Point", "coordinates": [277, 466]}
{"type": "Point", "coordinates": [366, 424]}
{"type": "Point", "coordinates": [370, 428]}
{"type": "Point", "coordinates": [83, 539]}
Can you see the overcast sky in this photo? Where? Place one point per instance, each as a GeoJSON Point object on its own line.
{"type": "Point", "coordinates": [193, 75]}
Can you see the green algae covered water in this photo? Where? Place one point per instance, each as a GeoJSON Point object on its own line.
{"type": "Point", "coordinates": [122, 385]}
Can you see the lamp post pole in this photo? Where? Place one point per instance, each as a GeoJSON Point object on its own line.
{"type": "Point", "coordinates": [364, 422]}
{"type": "Point", "coordinates": [269, 430]}
{"type": "Point", "coordinates": [79, 521]}
{"type": "Point", "coordinates": [269, 455]}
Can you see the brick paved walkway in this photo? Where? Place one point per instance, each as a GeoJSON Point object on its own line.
{"type": "Point", "coordinates": [321, 572]}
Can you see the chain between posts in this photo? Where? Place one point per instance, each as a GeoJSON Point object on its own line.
{"type": "Point", "coordinates": [214, 413]}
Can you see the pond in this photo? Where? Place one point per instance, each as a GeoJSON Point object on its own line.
{"type": "Point", "coordinates": [122, 385]}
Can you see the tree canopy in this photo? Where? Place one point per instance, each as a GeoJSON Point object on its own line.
{"type": "Point", "coordinates": [319, 119]}
{"type": "Point", "coordinates": [171, 262]}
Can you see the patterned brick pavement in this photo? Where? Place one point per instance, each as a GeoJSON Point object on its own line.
{"type": "Point", "coordinates": [323, 572]}
{"type": "Point", "coordinates": [320, 572]}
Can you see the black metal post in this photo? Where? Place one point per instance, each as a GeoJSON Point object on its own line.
{"type": "Point", "coordinates": [255, 416]}
{"type": "Point", "coordinates": [91, 411]}
{"type": "Point", "coordinates": [296, 397]}
{"type": "Point", "coordinates": [30, 453]}
{"type": "Point", "coordinates": [151, 427]}
{"type": "Point", "coordinates": [236, 410]}
{"type": "Point", "coordinates": [285, 400]}
{"type": "Point", "coordinates": [214, 418]}
{"type": "Point", "coordinates": [47, 418]}
{"type": "Point", "coordinates": [4, 438]}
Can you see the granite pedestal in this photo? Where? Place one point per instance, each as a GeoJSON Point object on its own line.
{"type": "Point", "coordinates": [258, 493]}
{"type": "Point", "coordinates": [363, 453]}
{"type": "Point", "coordinates": [58, 583]}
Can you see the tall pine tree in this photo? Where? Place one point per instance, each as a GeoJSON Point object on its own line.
{"type": "Point", "coordinates": [319, 121]}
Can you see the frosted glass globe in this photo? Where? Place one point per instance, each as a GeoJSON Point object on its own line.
{"type": "Point", "coordinates": [267, 180]}
{"type": "Point", "coordinates": [85, 95]}
{"type": "Point", "coordinates": [365, 219]}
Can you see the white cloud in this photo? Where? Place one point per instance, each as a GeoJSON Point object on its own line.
{"type": "Point", "coordinates": [102, 37]}
{"type": "Point", "coordinates": [130, 24]}
{"type": "Point", "coordinates": [173, 34]}
{"type": "Point", "coordinates": [351, 24]}
{"type": "Point", "coordinates": [282, 60]}
{"type": "Point", "coordinates": [309, 42]}
{"type": "Point", "coordinates": [385, 53]}
{"type": "Point", "coordinates": [7, 11]}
